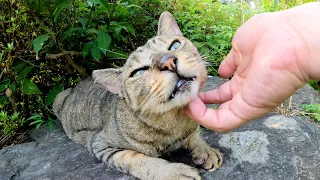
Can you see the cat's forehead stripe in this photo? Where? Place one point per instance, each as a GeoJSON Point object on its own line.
{"type": "Point", "coordinates": [135, 57]}
{"type": "Point", "coordinates": [161, 38]}
{"type": "Point", "coordinates": [144, 53]}
{"type": "Point", "coordinates": [140, 49]}
{"type": "Point", "coordinates": [148, 45]}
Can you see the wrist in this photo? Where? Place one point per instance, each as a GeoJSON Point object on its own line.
{"type": "Point", "coordinates": [305, 22]}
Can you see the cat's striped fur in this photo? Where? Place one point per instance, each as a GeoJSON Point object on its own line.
{"type": "Point", "coordinates": [127, 118]}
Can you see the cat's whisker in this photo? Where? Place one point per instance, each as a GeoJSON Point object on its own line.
{"type": "Point", "coordinates": [206, 54]}
{"type": "Point", "coordinates": [204, 58]}
{"type": "Point", "coordinates": [156, 90]}
{"type": "Point", "coordinates": [145, 104]}
{"type": "Point", "coordinates": [209, 64]}
{"type": "Point", "coordinates": [147, 97]}
{"type": "Point", "coordinates": [206, 64]}
{"type": "Point", "coordinates": [145, 107]}
{"type": "Point", "coordinates": [152, 92]}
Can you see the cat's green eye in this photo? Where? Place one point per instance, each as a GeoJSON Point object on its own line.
{"type": "Point", "coordinates": [138, 73]}
{"type": "Point", "coordinates": [175, 45]}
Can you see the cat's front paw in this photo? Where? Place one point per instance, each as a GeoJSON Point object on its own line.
{"type": "Point", "coordinates": [177, 171]}
{"type": "Point", "coordinates": [209, 158]}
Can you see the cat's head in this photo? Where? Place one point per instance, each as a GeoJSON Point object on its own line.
{"type": "Point", "coordinates": [162, 75]}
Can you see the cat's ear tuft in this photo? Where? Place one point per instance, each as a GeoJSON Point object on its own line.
{"type": "Point", "coordinates": [168, 26]}
{"type": "Point", "coordinates": [110, 79]}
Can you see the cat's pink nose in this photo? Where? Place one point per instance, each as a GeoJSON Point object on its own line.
{"type": "Point", "coordinates": [168, 63]}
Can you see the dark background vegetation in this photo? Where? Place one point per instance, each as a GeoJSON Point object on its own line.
{"type": "Point", "coordinates": [50, 45]}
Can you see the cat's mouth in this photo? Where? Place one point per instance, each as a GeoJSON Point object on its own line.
{"type": "Point", "coordinates": [181, 86]}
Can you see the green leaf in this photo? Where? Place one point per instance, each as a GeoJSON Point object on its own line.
{"type": "Point", "coordinates": [30, 87]}
{"type": "Point", "coordinates": [129, 28]}
{"type": "Point", "coordinates": [35, 117]}
{"type": "Point", "coordinates": [93, 31]}
{"type": "Point", "coordinates": [38, 125]}
{"type": "Point", "coordinates": [86, 49]}
{"type": "Point", "coordinates": [39, 41]}
{"type": "Point", "coordinates": [95, 1]}
{"type": "Point", "coordinates": [122, 10]}
{"type": "Point", "coordinates": [1, 55]}
{"type": "Point", "coordinates": [4, 85]}
{"type": "Point", "coordinates": [52, 94]}
{"type": "Point", "coordinates": [51, 123]}
{"type": "Point", "coordinates": [117, 30]}
{"type": "Point", "coordinates": [14, 116]}
{"type": "Point", "coordinates": [24, 72]}
{"type": "Point", "coordinates": [19, 66]}
{"type": "Point", "coordinates": [70, 31]}
{"type": "Point", "coordinates": [13, 86]}
{"type": "Point", "coordinates": [40, 121]}
{"type": "Point", "coordinates": [95, 51]}
{"type": "Point", "coordinates": [4, 100]}
{"type": "Point", "coordinates": [102, 2]}
{"type": "Point", "coordinates": [60, 8]}
{"type": "Point", "coordinates": [84, 22]}
{"type": "Point", "coordinates": [104, 41]}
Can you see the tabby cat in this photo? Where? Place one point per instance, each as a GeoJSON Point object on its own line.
{"type": "Point", "coordinates": [131, 116]}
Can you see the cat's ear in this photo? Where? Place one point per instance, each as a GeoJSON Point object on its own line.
{"type": "Point", "coordinates": [168, 26]}
{"type": "Point", "coordinates": [110, 79]}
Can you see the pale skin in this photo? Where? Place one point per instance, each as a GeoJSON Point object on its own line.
{"type": "Point", "coordinates": [272, 56]}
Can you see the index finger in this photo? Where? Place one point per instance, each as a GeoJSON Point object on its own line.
{"type": "Point", "coordinates": [217, 96]}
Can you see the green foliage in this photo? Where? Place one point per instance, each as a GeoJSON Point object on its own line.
{"type": "Point", "coordinates": [9, 124]}
{"type": "Point", "coordinates": [47, 44]}
{"type": "Point", "coordinates": [315, 84]}
{"type": "Point", "coordinates": [38, 120]}
{"type": "Point", "coordinates": [30, 87]}
{"type": "Point", "coordinates": [311, 110]}
{"type": "Point", "coordinates": [97, 28]}
{"type": "Point", "coordinates": [214, 106]}
{"type": "Point", "coordinates": [39, 41]}
{"type": "Point", "coordinates": [52, 94]}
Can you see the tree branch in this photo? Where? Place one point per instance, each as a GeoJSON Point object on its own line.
{"type": "Point", "coordinates": [67, 55]}
{"type": "Point", "coordinates": [64, 53]}
{"type": "Point", "coordinates": [75, 66]}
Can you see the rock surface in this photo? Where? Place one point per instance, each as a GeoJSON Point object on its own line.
{"type": "Point", "coordinates": [273, 147]}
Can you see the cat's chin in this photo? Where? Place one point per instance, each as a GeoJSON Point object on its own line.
{"type": "Point", "coordinates": [180, 99]}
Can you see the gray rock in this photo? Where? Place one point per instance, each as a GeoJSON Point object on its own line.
{"type": "Point", "coordinates": [249, 146]}
{"type": "Point", "coordinates": [272, 147]}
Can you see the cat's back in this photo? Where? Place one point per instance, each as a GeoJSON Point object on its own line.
{"type": "Point", "coordinates": [84, 107]}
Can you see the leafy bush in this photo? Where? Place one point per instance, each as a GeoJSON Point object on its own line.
{"type": "Point", "coordinates": [50, 45]}
{"type": "Point", "coordinates": [311, 110]}
{"type": "Point", "coordinates": [10, 124]}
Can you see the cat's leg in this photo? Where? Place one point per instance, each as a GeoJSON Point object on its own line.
{"type": "Point", "coordinates": [142, 166]}
{"type": "Point", "coordinates": [209, 158]}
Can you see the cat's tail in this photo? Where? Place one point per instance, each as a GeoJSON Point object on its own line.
{"type": "Point", "coordinates": [59, 102]}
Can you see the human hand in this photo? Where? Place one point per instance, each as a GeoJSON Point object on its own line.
{"type": "Point", "coordinates": [269, 61]}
